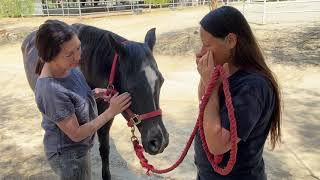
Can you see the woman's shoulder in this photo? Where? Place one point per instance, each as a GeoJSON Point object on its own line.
{"type": "Point", "coordinates": [47, 86]}
{"type": "Point", "coordinates": [251, 80]}
{"type": "Point", "coordinates": [77, 72]}
{"type": "Point", "coordinates": [79, 75]}
{"type": "Point", "coordinates": [254, 83]}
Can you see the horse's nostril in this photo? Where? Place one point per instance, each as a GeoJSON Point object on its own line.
{"type": "Point", "coordinates": [154, 145]}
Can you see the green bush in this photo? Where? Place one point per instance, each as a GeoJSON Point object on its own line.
{"type": "Point", "coordinates": [16, 8]}
{"type": "Point", "coordinates": [157, 1]}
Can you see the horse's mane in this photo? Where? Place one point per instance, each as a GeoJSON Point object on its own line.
{"type": "Point", "coordinates": [97, 53]}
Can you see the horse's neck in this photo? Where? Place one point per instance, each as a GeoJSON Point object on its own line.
{"type": "Point", "coordinates": [98, 58]}
{"type": "Point", "coordinates": [111, 57]}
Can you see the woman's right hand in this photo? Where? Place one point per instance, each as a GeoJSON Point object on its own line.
{"type": "Point", "coordinates": [199, 54]}
{"type": "Point", "coordinates": [119, 103]}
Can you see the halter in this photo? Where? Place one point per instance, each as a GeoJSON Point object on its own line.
{"type": "Point", "coordinates": [132, 118]}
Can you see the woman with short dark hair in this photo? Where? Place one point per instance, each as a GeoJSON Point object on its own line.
{"type": "Point", "coordinates": [69, 111]}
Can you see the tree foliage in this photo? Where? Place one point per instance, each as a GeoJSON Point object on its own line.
{"type": "Point", "coordinates": [16, 8]}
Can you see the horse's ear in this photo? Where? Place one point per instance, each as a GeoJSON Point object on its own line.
{"type": "Point", "coordinates": [150, 38]}
{"type": "Point", "coordinates": [116, 45]}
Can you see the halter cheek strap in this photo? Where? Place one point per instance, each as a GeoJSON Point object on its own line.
{"type": "Point", "coordinates": [131, 117]}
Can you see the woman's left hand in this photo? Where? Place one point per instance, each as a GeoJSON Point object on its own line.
{"type": "Point", "coordinates": [101, 93]}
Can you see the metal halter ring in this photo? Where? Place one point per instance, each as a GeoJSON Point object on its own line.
{"type": "Point", "coordinates": [110, 89]}
{"type": "Point", "coordinates": [134, 138]}
{"type": "Point", "coordinates": [110, 86]}
{"type": "Point", "coordinates": [135, 119]}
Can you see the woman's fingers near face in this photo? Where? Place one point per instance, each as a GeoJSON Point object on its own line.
{"type": "Point", "coordinates": [210, 59]}
{"type": "Point", "coordinates": [200, 61]}
{"type": "Point", "coordinates": [198, 57]}
{"type": "Point", "coordinates": [205, 60]}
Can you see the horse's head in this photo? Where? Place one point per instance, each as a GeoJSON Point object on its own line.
{"type": "Point", "coordinates": [139, 75]}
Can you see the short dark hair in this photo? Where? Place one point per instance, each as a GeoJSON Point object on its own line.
{"type": "Point", "coordinates": [49, 38]}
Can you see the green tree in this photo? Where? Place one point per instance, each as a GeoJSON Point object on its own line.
{"type": "Point", "coordinates": [16, 8]}
{"type": "Point", "coordinates": [157, 1]}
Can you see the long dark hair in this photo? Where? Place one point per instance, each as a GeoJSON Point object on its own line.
{"type": "Point", "coordinates": [247, 55]}
{"type": "Point", "coordinates": [50, 36]}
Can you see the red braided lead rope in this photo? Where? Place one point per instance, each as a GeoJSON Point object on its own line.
{"type": "Point", "coordinates": [214, 160]}
{"type": "Point", "coordinates": [233, 124]}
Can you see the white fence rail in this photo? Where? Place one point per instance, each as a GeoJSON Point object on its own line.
{"type": "Point", "coordinates": [263, 11]}
{"type": "Point", "coordinates": [65, 8]}
{"type": "Point", "coordinates": [258, 11]}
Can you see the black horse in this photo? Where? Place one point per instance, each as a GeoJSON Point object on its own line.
{"type": "Point", "coordinates": [137, 73]}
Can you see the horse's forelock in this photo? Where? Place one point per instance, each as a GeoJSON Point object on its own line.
{"type": "Point", "coordinates": [135, 58]}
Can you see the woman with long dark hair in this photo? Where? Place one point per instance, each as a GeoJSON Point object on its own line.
{"type": "Point", "coordinates": [229, 42]}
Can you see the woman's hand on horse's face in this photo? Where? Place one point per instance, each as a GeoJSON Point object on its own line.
{"type": "Point", "coordinates": [101, 93]}
{"type": "Point", "coordinates": [119, 103]}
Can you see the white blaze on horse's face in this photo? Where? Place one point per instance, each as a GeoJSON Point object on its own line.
{"type": "Point", "coordinates": [151, 76]}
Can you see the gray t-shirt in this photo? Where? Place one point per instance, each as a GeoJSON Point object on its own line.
{"type": "Point", "coordinates": [59, 98]}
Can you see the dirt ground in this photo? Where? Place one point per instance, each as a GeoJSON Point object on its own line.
{"type": "Point", "coordinates": [291, 49]}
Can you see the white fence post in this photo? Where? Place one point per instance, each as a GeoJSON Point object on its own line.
{"type": "Point", "coordinates": [62, 5]}
{"type": "Point", "coordinates": [68, 6]}
{"type": "Point", "coordinates": [79, 7]}
{"type": "Point", "coordinates": [264, 12]}
{"type": "Point", "coordinates": [47, 5]}
{"type": "Point", "coordinates": [243, 7]}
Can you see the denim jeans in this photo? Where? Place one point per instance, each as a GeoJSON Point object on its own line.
{"type": "Point", "coordinates": [71, 165]}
